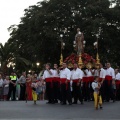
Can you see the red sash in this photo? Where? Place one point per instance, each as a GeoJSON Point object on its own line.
{"type": "Point", "coordinates": [100, 79]}
{"type": "Point", "coordinates": [117, 83]}
{"type": "Point", "coordinates": [56, 79]}
{"type": "Point", "coordinates": [75, 80]}
{"type": "Point", "coordinates": [86, 80]}
{"type": "Point", "coordinates": [63, 81]}
{"type": "Point", "coordinates": [91, 78]}
{"type": "Point", "coordinates": [49, 80]}
{"type": "Point", "coordinates": [108, 78]}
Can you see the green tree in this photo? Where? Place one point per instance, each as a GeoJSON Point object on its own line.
{"type": "Point", "coordinates": [37, 37]}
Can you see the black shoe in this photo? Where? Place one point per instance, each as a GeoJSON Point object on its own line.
{"type": "Point", "coordinates": [82, 103]}
{"type": "Point", "coordinates": [74, 103]}
{"type": "Point", "coordinates": [13, 99]}
{"type": "Point", "coordinates": [56, 101]}
{"type": "Point", "coordinates": [96, 108]}
{"type": "Point", "coordinates": [34, 102]}
{"type": "Point", "coordinates": [113, 101]}
{"type": "Point", "coordinates": [52, 102]}
{"type": "Point", "coordinates": [70, 103]}
{"type": "Point", "coordinates": [101, 107]}
{"type": "Point", "coordinates": [48, 102]}
{"type": "Point", "coordinates": [63, 104]}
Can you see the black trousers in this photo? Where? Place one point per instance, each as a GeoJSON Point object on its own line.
{"type": "Point", "coordinates": [56, 92]}
{"type": "Point", "coordinates": [77, 93]}
{"type": "Point", "coordinates": [86, 91]}
{"type": "Point", "coordinates": [66, 93]}
{"type": "Point", "coordinates": [22, 91]}
{"type": "Point", "coordinates": [12, 89]}
{"type": "Point", "coordinates": [108, 90]}
{"type": "Point", "coordinates": [118, 93]}
{"type": "Point", "coordinates": [102, 91]}
{"type": "Point", "coordinates": [49, 92]}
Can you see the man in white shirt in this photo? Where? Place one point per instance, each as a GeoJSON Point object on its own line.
{"type": "Point", "coordinates": [56, 83]}
{"type": "Point", "coordinates": [109, 80]}
{"type": "Point", "coordinates": [47, 76]}
{"type": "Point", "coordinates": [89, 72]}
{"type": "Point", "coordinates": [117, 80]}
{"type": "Point", "coordinates": [102, 74]}
{"type": "Point", "coordinates": [76, 77]}
{"type": "Point", "coordinates": [65, 75]}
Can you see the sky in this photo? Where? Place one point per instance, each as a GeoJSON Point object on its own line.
{"type": "Point", "coordinates": [10, 13]}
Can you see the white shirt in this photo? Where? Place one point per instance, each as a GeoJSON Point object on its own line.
{"type": "Point", "coordinates": [1, 82]}
{"type": "Point", "coordinates": [65, 73]}
{"type": "Point", "coordinates": [110, 72]}
{"type": "Point", "coordinates": [76, 74]}
{"type": "Point", "coordinates": [96, 73]}
{"type": "Point", "coordinates": [88, 73]}
{"type": "Point", "coordinates": [46, 74]}
{"type": "Point", "coordinates": [102, 73]}
{"type": "Point", "coordinates": [117, 76]}
{"type": "Point", "coordinates": [55, 73]}
{"type": "Point", "coordinates": [83, 74]}
{"type": "Point", "coordinates": [94, 86]}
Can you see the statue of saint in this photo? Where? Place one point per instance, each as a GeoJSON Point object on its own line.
{"type": "Point", "coordinates": [79, 38]}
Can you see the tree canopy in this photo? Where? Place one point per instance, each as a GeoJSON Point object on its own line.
{"type": "Point", "coordinates": [37, 36]}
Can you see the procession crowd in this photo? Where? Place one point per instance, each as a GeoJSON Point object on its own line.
{"type": "Point", "coordinates": [64, 85]}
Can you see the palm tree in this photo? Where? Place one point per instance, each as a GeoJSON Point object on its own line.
{"type": "Point", "coordinates": [9, 57]}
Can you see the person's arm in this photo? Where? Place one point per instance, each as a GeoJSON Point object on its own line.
{"type": "Point", "coordinates": [68, 74]}
{"type": "Point", "coordinates": [92, 71]}
{"type": "Point", "coordinates": [113, 74]}
{"type": "Point", "coordinates": [12, 82]}
{"type": "Point", "coordinates": [80, 77]}
{"type": "Point", "coordinates": [19, 81]}
{"type": "Point", "coordinates": [50, 71]}
{"type": "Point", "coordinates": [103, 76]}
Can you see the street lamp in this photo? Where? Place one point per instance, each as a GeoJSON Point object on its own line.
{"type": "Point", "coordinates": [29, 71]}
{"type": "Point", "coordinates": [37, 64]}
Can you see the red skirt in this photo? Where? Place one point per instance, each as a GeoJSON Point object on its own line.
{"type": "Point", "coordinates": [29, 91]}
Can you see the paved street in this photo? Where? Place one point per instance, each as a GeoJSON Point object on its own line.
{"type": "Point", "coordinates": [19, 110]}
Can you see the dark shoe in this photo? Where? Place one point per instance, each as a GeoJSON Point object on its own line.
{"type": "Point", "coordinates": [113, 101]}
{"type": "Point", "coordinates": [52, 102]}
{"type": "Point", "coordinates": [63, 104]}
{"type": "Point", "coordinates": [70, 103]}
{"type": "Point", "coordinates": [96, 108]}
{"type": "Point", "coordinates": [48, 102]}
{"type": "Point", "coordinates": [56, 101]}
{"type": "Point", "coordinates": [101, 107]}
{"type": "Point", "coordinates": [34, 102]}
{"type": "Point", "coordinates": [74, 103]}
{"type": "Point", "coordinates": [82, 103]}
{"type": "Point", "coordinates": [13, 99]}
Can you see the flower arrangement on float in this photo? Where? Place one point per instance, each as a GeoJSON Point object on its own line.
{"type": "Point", "coordinates": [87, 60]}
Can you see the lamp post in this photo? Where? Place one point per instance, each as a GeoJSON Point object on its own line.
{"type": "Point", "coordinates": [62, 47]}
{"type": "Point", "coordinates": [37, 64]}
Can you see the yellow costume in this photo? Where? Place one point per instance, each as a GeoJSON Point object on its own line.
{"type": "Point", "coordinates": [96, 94]}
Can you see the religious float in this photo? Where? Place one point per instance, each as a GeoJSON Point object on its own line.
{"type": "Point", "coordinates": [83, 59]}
